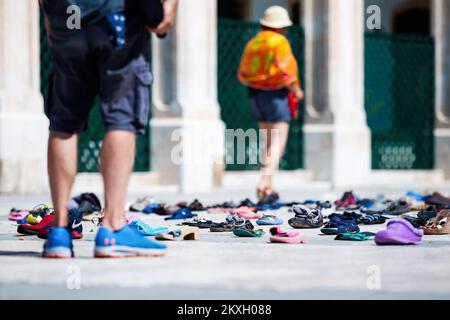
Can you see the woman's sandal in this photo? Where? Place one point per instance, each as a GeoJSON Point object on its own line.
{"type": "Point", "coordinates": [222, 227]}
{"type": "Point", "coordinates": [288, 237]}
{"type": "Point", "coordinates": [146, 230]}
{"type": "Point", "coordinates": [438, 226]}
{"type": "Point", "coordinates": [260, 192]}
{"type": "Point", "coordinates": [248, 230]}
{"type": "Point", "coordinates": [187, 233]}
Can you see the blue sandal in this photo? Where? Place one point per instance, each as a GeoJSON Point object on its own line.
{"type": "Point", "coordinates": [269, 220]}
{"type": "Point", "coordinates": [181, 214]}
{"type": "Point", "coordinates": [146, 230]}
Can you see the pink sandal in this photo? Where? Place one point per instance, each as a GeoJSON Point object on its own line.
{"type": "Point", "coordinates": [132, 217]}
{"type": "Point", "coordinates": [247, 213]}
{"type": "Point", "coordinates": [15, 215]}
{"type": "Point", "coordinates": [289, 237]}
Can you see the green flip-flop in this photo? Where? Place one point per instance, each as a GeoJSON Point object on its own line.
{"type": "Point", "coordinates": [354, 236]}
{"type": "Point", "coordinates": [248, 231]}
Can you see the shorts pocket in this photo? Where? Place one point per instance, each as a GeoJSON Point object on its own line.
{"type": "Point", "coordinates": [125, 96]}
{"type": "Point", "coordinates": [142, 95]}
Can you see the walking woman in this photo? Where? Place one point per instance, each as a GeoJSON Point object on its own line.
{"type": "Point", "coordinates": [269, 69]}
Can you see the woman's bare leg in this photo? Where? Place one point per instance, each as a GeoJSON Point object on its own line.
{"type": "Point", "coordinates": [265, 181]}
{"type": "Point", "coordinates": [272, 150]}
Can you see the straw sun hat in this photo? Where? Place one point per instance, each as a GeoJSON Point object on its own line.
{"type": "Point", "coordinates": [276, 17]}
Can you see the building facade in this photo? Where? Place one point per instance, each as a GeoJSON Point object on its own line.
{"type": "Point", "coordinates": [350, 117]}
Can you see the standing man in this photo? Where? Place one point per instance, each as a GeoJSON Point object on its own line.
{"type": "Point", "coordinates": [104, 56]}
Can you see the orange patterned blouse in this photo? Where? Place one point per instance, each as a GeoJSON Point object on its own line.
{"type": "Point", "coordinates": [268, 62]}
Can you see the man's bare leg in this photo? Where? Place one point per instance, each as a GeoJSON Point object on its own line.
{"type": "Point", "coordinates": [117, 159]}
{"type": "Point", "coordinates": [62, 169]}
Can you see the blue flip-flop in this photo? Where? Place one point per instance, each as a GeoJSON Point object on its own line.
{"type": "Point", "coordinates": [146, 230]}
{"type": "Point", "coordinates": [269, 220]}
{"type": "Point", "coordinates": [181, 214]}
{"type": "Point", "coordinates": [149, 209]}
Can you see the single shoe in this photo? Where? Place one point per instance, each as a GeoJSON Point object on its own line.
{"type": "Point", "coordinates": [380, 204]}
{"type": "Point", "coordinates": [132, 217]}
{"type": "Point", "coordinates": [247, 203]}
{"type": "Point", "coordinates": [416, 222]}
{"type": "Point", "coordinates": [340, 224]}
{"type": "Point", "coordinates": [224, 205]}
{"type": "Point", "coordinates": [126, 242]}
{"type": "Point", "coordinates": [58, 244]}
{"type": "Point", "coordinates": [75, 222]}
{"type": "Point", "coordinates": [31, 230]}
{"type": "Point", "coordinates": [181, 214]}
{"type": "Point", "coordinates": [17, 215]}
{"type": "Point", "coordinates": [399, 232]}
{"type": "Point", "coordinates": [141, 204]}
{"type": "Point", "coordinates": [43, 234]}
{"type": "Point", "coordinates": [397, 208]}
{"type": "Point", "coordinates": [288, 237]}
{"type": "Point", "coordinates": [269, 220]}
{"type": "Point", "coordinates": [222, 227]}
{"type": "Point", "coordinates": [196, 206]}
{"type": "Point", "coordinates": [269, 199]}
{"type": "Point", "coordinates": [247, 213]}
{"type": "Point", "coordinates": [163, 210]}
{"type": "Point", "coordinates": [372, 219]}
{"type": "Point", "coordinates": [88, 203]}
{"type": "Point", "coordinates": [185, 233]}
{"type": "Point", "coordinates": [38, 212]}
{"type": "Point", "coordinates": [93, 217]}
{"type": "Point", "coordinates": [423, 217]}
{"type": "Point", "coordinates": [323, 205]}
{"type": "Point", "coordinates": [354, 236]}
{"type": "Point", "coordinates": [366, 202]}
{"type": "Point", "coordinates": [199, 223]}
{"type": "Point", "coordinates": [150, 208]}
{"type": "Point", "coordinates": [231, 222]}
{"type": "Point", "coordinates": [306, 218]}
{"type": "Point", "coordinates": [248, 231]}
{"type": "Point", "coordinates": [23, 220]}
{"type": "Point", "coordinates": [146, 230]}
{"type": "Point", "coordinates": [439, 225]}
{"type": "Point", "coordinates": [427, 214]}
{"type": "Point", "coordinates": [347, 199]}
{"type": "Point", "coordinates": [75, 226]}
{"type": "Point", "coordinates": [438, 199]}
{"type": "Point", "coordinates": [416, 196]}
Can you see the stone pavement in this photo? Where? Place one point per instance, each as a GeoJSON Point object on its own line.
{"type": "Point", "coordinates": [222, 266]}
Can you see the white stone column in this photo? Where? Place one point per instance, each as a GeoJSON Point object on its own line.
{"type": "Point", "coordinates": [441, 30]}
{"type": "Point", "coordinates": [186, 118]}
{"type": "Point", "coordinates": [318, 128]}
{"type": "Point", "coordinates": [23, 126]}
{"type": "Point", "coordinates": [351, 135]}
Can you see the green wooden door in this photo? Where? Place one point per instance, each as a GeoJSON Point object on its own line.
{"type": "Point", "coordinates": [235, 110]}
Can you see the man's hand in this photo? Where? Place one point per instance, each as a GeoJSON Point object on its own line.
{"type": "Point", "coordinates": [170, 13]}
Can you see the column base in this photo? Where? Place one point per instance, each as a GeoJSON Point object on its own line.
{"type": "Point", "coordinates": [23, 153]}
{"type": "Point", "coordinates": [188, 153]}
{"type": "Point", "coordinates": [336, 154]}
{"type": "Point", "coordinates": [319, 150]}
{"type": "Point", "coordinates": [442, 150]}
{"type": "Point", "coordinates": [351, 156]}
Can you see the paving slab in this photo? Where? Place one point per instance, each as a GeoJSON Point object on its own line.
{"type": "Point", "coordinates": [222, 266]}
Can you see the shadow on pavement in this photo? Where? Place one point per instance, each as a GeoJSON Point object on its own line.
{"type": "Point", "coordinates": [20, 254]}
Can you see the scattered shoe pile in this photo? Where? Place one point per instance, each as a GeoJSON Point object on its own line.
{"type": "Point", "coordinates": [416, 216]}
